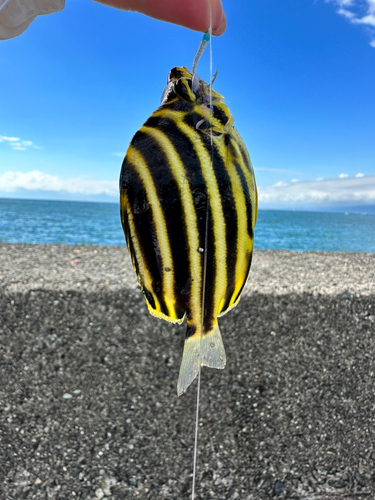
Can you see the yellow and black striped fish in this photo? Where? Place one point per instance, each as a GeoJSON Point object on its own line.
{"type": "Point", "coordinates": [174, 183]}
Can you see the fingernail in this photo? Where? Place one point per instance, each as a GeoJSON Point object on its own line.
{"type": "Point", "coordinates": [222, 26]}
{"type": "Point", "coordinates": [218, 17]}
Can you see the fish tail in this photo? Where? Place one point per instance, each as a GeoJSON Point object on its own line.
{"type": "Point", "coordinates": [212, 354]}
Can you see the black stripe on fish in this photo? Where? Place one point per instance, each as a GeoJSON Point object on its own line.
{"type": "Point", "coordinates": [170, 200]}
{"type": "Point", "coordinates": [245, 187]}
{"type": "Point", "coordinates": [188, 156]}
{"type": "Point", "coordinates": [229, 212]}
{"type": "Point", "coordinates": [220, 114]}
{"type": "Point", "coordinates": [178, 105]}
{"type": "Point", "coordinates": [210, 312]}
{"type": "Point", "coordinates": [144, 228]}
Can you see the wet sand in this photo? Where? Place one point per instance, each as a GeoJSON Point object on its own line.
{"type": "Point", "coordinates": [88, 405]}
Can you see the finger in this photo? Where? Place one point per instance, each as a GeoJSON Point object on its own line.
{"type": "Point", "coordinates": [193, 14]}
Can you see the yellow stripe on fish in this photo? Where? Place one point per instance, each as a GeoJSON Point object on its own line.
{"type": "Point", "coordinates": [189, 214]}
{"type": "Point", "coordinates": [218, 222]}
{"type": "Point", "coordinates": [173, 180]}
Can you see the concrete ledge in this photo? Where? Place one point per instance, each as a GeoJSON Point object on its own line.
{"type": "Point", "coordinates": [88, 405]}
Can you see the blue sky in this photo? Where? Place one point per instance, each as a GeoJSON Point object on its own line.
{"type": "Point", "coordinates": [298, 75]}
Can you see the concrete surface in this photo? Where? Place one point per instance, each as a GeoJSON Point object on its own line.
{"type": "Point", "coordinates": [88, 405]}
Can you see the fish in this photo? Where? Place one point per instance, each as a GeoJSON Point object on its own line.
{"type": "Point", "coordinates": [188, 206]}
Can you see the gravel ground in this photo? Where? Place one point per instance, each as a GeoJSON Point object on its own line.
{"type": "Point", "coordinates": [88, 405]}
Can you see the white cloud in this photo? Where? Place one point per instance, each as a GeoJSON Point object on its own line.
{"type": "Point", "coordinates": [350, 190]}
{"type": "Point", "coordinates": [17, 144]}
{"type": "Point", "coordinates": [343, 176]}
{"type": "Point", "coordinates": [9, 139]}
{"type": "Point", "coordinates": [320, 179]}
{"type": "Point", "coordinates": [346, 13]}
{"type": "Point", "coordinates": [121, 155]}
{"type": "Point", "coordinates": [358, 12]}
{"type": "Point", "coordinates": [265, 169]}
{"type": "Point", "coordinates": [40, 181]}
{"type": "Point", "coordinates": [294, 180]}
{"type": "Point", "coordinates": [370, 20]}
{"type": "Point", "coordinates": [280, 184]}
{"type": "Point", "coordinates": [345, 3]}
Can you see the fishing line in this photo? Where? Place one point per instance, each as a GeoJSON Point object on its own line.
{"type": "Point", "coordinates": [207, 37]}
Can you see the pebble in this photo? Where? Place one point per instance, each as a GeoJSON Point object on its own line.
{"type": "Point", "coordinates": [279, 487]}
{"type": "Point", "coordinates": [99, 493]}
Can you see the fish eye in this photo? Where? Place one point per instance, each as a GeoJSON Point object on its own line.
{"type": "Point", "coordinates": [206, 127]}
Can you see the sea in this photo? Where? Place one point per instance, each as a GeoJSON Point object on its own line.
{"type": "Point", "coordinates": [86, 223]}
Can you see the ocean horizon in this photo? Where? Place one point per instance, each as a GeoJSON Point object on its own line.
{"type": "Point", "coordinates": [98, 223]}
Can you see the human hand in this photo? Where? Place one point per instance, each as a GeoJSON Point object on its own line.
{"type": "Point", "coordinates": [193, 14]}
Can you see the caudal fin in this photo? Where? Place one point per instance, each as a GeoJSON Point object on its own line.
{"type": "Point", "coordinates": [212, 354]}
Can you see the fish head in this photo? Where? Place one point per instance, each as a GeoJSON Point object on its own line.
{"type": "Point", "coordinates": [180, 83]}
{"type": "Point", "coordinates": [183, 87]}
